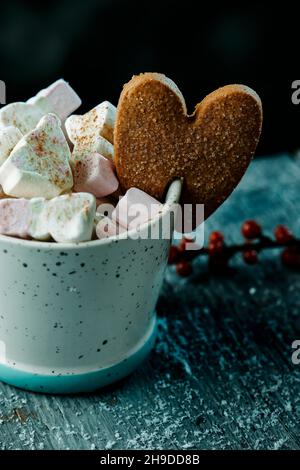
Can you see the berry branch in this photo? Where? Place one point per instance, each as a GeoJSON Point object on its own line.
{"type": "Point", "coordinates": [219, 254]}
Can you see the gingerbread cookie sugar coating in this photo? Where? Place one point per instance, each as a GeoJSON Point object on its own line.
{"type": "Point", "coordinates": [156, 141]}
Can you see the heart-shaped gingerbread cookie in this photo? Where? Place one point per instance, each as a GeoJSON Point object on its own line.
{"type": "Point", "coordinates": [156, 140]}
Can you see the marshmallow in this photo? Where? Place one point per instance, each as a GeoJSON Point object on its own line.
{"type": "Point", "coordinates": [81, 150]}
{"type": "Point", "coordinates": [39, 163]}
{"type": "Point", "coordinates": [9, 137]}
{"type": "Point", "coordinates": [136, 208]}
{"type": "Point", "coordinates": [58, 98]}
{"type": "Point", "coordinates": [39, 229]}
{"type": "Point", "coordinates": [23, 218]}
{"type": "Point", "coordinates": [105, 206]}
{"type": "Point", "coordinates": [14, 217]}
{"type": "Point", "coordinates": [95, 174]}
{"type": "Point", "coordinates": [106, 228]}
{"type": "Point", "coordinates": [100, 201]}
{"type": "Point", "coordinates": [67, 218]}
{"type": "Point", "coordinates": [71, 217]}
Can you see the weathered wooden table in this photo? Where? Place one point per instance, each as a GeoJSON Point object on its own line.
{"type": "Point", "coordinates": [221, 375]}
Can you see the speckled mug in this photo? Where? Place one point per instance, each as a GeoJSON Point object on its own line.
{"type": "Point", "coordinates": [76, 317]}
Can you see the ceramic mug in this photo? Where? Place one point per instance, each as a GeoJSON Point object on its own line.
{"type": "Point", "coordinates": [76, 317]}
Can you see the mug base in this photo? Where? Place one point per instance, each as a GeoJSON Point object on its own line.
{"type": "Point", "coordinates": [80, 383]}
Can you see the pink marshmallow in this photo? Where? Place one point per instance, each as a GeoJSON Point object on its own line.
{"type": "Point", "coordinates": [108, 228]}
{"type": "Point", "coordinates": [136, 208]}
{"type": "Point", "coordinates": [14, 217]}
{"type": "Point", "coordinates": [95, 174]}
{"type": "Point", "coordinates": [105, 207]}
{"type": "Point", "coordinates": [60, 99]}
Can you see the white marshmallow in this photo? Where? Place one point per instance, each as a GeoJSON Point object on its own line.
{"type": "Point", "coordinates": [67, 218]}
{"type": "Point", "coordinates": [58, 98]}
{"type": "Point", "coordinates": [105, 206]}
{"type": "Point", "coordinates": [39, 163]}
{"type": "Point", "coordinates": [21, 115]}
{"type": "Point", "coordinates": [71, 217]}
{"type": "Point", "coordinates": [106, 228]}
{"type": "Point", "coordinates": [136, 208]}
{"type": "Point", "coordinates": [9, 137]}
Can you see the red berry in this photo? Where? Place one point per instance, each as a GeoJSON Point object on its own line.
{"type": "Point", "coordinates": [215, 247]}
{"type": "Point", "coordinates": [250, 229]}
{"type": "Point", "coordinates": [183, 268]}
{"type": "Point", "coordinates": [283, 234]}
{"type": "Point", "coordinates": [250, 256]}
{"type": "Point", "coordinates": [216, 237]}
{"type": "Point", "coordinates": [290, 257]}
{"type": "Point", "coordinates": [173, 254]}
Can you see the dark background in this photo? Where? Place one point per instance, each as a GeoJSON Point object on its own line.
{"type": "Point", "coordinates": [98, 45]}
